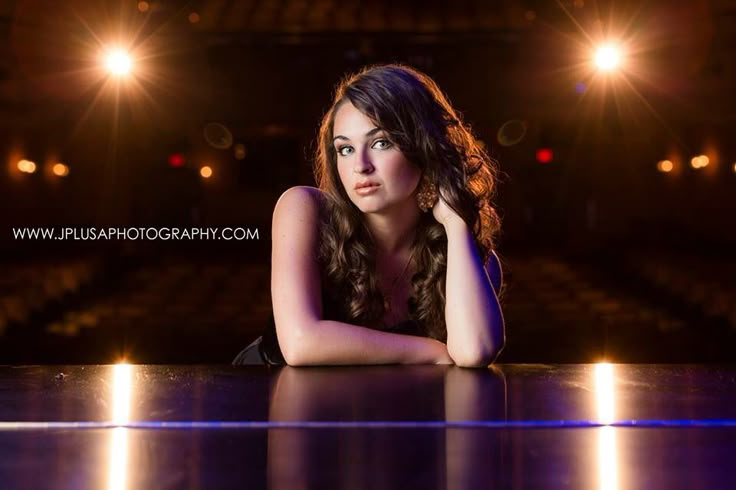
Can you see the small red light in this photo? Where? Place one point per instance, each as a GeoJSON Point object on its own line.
{"type": "Point", "coordinates": [544, 155]}
{"type": "Point", "coordinates": [176, 160]}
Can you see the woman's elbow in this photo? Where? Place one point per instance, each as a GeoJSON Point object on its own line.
{"type": "Point", "coordinates": [294, 348]}
{"type": "Point", "coordinates": [474, 361]}
{"type": "Point", "coordinates": [292, 357]}
{"type": "Point", "coordinates": [482, 358]}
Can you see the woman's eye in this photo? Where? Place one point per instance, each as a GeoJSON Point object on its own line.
{"type": "Point", "coordinates": [344, 150]}
{"type": "Point", "coordinates": [382, 144]}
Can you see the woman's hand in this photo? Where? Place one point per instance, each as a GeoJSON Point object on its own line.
{"type": "Point", "coordinates": [443, 357]}
{"type": "Point", "coordinates": [444, 214]}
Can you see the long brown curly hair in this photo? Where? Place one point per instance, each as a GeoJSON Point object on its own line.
{"type": "Point", "coordinates": [417, 117]}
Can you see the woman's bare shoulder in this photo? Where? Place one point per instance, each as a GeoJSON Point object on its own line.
{"type": "Point", "coordinates": [300, 204]}
{"type": "Point", "coordinates": [301, 195]}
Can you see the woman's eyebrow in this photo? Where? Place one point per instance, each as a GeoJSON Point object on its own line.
{"type": "Point", "coordinates": [369, 133]}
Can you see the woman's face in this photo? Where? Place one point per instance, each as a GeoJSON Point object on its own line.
{"type": "Point", "coordinates": [375, 174]}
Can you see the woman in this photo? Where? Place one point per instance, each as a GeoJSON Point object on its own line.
{"type": "Point", "coordinates": [391, 259]}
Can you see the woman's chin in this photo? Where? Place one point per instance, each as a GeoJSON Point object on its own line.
{"type": "Point", "coordinates": [370, 209]}
{"type": "Point", "coordinates": [378, 206]}
{"type": "Point", "coordinates": [368, 205]}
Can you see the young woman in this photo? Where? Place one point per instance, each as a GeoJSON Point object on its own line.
{"type": "Point", "coordinates": [391, 259]}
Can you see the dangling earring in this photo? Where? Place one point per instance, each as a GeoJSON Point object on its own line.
{"type": "Point", "coordinates": [427, 195]}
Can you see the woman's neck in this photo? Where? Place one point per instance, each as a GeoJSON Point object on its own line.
{"type": "Point", "coordinates": [393, 233]}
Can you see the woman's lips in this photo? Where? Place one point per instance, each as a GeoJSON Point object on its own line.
{"type": "Point", "coordinates": [366, 190]}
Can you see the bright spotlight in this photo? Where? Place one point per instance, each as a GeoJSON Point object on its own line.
{"type": "Point", "coordinates": [118, 62]}
{"type": "Point", "coordinates": [608, 57]}
{"type": "Point", "coordinates": [665, 166]}
{"type": "Point", "coordinates": [26, 166]}
{"type": "Point", "coordinates": [205, 172]}
{"type": "Point", "coordinates": [699, 161]}
{"type": "Point", "coordinates": [60, 170]}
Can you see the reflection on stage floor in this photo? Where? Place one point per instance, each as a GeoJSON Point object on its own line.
{"type": "Point", "coordinates": [603, 426]}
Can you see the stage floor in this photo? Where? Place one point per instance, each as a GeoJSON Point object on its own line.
{"type": "Point", "coordinates": [606, 426]}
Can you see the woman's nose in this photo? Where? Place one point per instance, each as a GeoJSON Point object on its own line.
{"type": "Point", "coordinates": [363, 164]}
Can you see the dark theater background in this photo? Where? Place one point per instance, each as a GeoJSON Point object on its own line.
{"type": "Point", "coordinates": [616, 181]}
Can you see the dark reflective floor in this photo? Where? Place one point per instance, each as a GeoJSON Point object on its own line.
{"type": "Point", "coordinates": [514, 426]}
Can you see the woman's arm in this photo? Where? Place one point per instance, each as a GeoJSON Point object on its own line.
{"type": "Point", "coordinates": [326, 342]}
{"type": "Point", "coordinates": [304, 336]}
{"type": "Point", "coordinates": [475, 326]}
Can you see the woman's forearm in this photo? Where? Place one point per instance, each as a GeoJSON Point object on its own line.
{"type": "Point", "coordinates": [475, 327]}
{"type": "Point", "coordinates": [327, 342]}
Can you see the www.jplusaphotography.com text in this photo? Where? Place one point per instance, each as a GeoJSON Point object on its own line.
{"type": "Point", "coordinates": [136, 233]}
